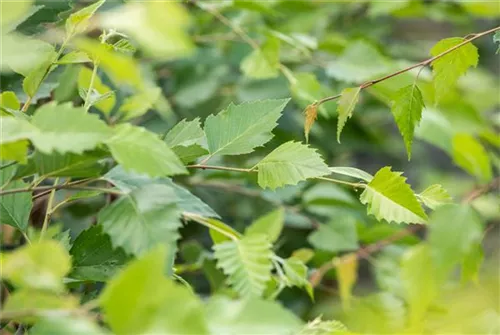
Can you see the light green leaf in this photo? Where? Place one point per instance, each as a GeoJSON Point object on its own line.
{"type": "Point", "coordinates": [448, 68]}
{"type": "Point", "coordinates": [454, 231]}
{"type": "Point", "coordinates": [64, 325]}
{"type": "Point", "coordinates": [29, 266]}
{"type": "Point", "coordinates": [389, 197]}
{"type": "Point", "coordinates": [78, 22]}
{"type": "Point", "coordinates": [94, 257]}
{"type": "Point", "coordinates": [65, 128]}
{"type": "Point", "coordinates": [35, 77]}
{"type": "Point", "coordinates": [296, 275]}
{"type": "Point", "coordinates": [14, 129]}
{"type": "Point", "coordinates": [419, 280]}
{"type": "Point", "coordinates": [247, 262]}
{"type": "Point", "coordinates": [138, 104]}
{"type": "Point", "coordinates": [339, 234]}
{"type": "Point", "coordinates": [471, 156]}
{"type": "Point", "coordinates": [153, 304]}
{"type": "Point", "coordinates": [99, 89]}
{"type": "Point", "coordinates": [142, 219]}
{"type": "Point", "coordinates": [16, 151]}
{"type": "Point", "coordinates": [158, 26]}
{"type": "Point", "coordinates": [15, 208]}
{"type": "Point", "coordinates": [74, 57]}
{"type": "Point", "coordinates": [435, 196]}
{"type": "Point", "coordinates": [407, 106]}
{"type": "Point", "coordinates": [239, 129]}
{"type": "Point", "coordinates": [471, 264]}
{"type": "Point", "coordinates": [263, 63]}
{"type": "Point", "coordinates": [13, 13]}
{"type": "Point", "coordinates": [137, 149]}
{"type": "Point", "coordinates": [320, 327]}
{"type": "Point", "coordinates": [290, 163]}
{"type": "Point", "coordinates": [270, 224]}
{"type": "Point", "coordinates": [8, 99]}
{"type": "Point", "coordinates": [359, 62]}
{"type": "Point", "coordinates": [185, 133]}
{"type": "Point", "coordinates": [190, 153]}
{"type": "Point", "coordinates": [352, 172]}
{"type": "Point", "coordinates": [346, 105]}
{"type": "Point", "coordinates": [249, 316]}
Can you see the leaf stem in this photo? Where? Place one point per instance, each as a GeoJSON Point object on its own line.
{"type": "Point", "coordinates": [467, 39]}
{"type": "Point", "coordinates": [201, 220]}
{"type": "Point", "coordinates": [91, 84]}
{"type": "Point", "coordinates": [48, 211]}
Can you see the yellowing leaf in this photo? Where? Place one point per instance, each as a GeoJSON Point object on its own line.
{"type": "Point", "coordinates": [389, 197]}
{"type": "Point", "coordinates": [471, 156]}
{"type": "Point", "coordinates": [407, 110]}
{"type": "Point", "coordinates": [346, 105]}
{"type": "Point", "coordinates": [347, 275]}
{"type": "Point", "coordinates": [448, 68]}
{"type": "Point", "coordinates": [263, 63]}
{"type": "Point", "coordinates": [435, 196]}
{"type": "Point", "coordinates": [311, 113]}
{"type": "Point", "coordinates": [289, 164]}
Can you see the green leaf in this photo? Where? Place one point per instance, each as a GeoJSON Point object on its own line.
{"type": "Point", "coordinates": [190, 153]}
{"type": "Point", "coordinates": [35, 77]}
{"type": "Point", "coordinates": [14, 129]}
{"type": "Point", "coordinates": [239, 129]}
{"type": "Point", "coordinates": [186, 201]}
{"type": "Point", "coordinates": [137, 149]}
{"type": "Point", "coordinates": [153, 304]}
{"type": "Point", "coordinates": [346, 105]}
{"type": "Point", "coordinates": [15, 208]}
{"type": "Point", "coordinates": [419, 280]}
{"type": "Point", "coordinates": [471, 264]}
{"type": "Point", "coordinates": [263, 63]}
{"type": "Point", "coordinates": [142, 219]}
{"type": "Point", "coordinates": [249, 316]}
{"type": "Point", "coordinates": [496, 39]}
{"type": "Point", "coordinates": [435, 196]}
{"type": "Point", "coordinates": [454, 231]}
{"type": "Point", "coordinates": [29, 266]}
{"type": "Point", "coordinates": [55, 325]}
{"type": "Point", "coordinates": [99, 89]}
{"type": "Point", "coordinates": [14, 12]}
{"type": "Point", "coordinates": [347, 275]}
{"type": "Point", "coordinates": [219, 231]}
{"type": "Point", "coordinates": [247, 262]}
{"type": "Point", "coordinates": [29, 299]}
{"type": "Point", "coordinates": [78, 22]}
{"type": "Point", "coordinates": [15, 151]}
{"type": "Point", "coordinates": [407, 108]}
{"type": "Point", "coordinates": [8, 99]}
{"type": "Point", "coordinates": [74, 57]}
{"type": "Point", "coordinates": [65, 128]}
{"type": "Point", "coordinates": [448, 68]}
{"type": "Point", "coordinates": [339, 234]}
{"type": "Point", "coordinates": [185, 133]}
{"type": "Point", "coordinates": [320, 327]}
{"type": "Point", "coordinates": [288, 164]}
{"type": "Point", "coordinates": [359, 62]}
{"type": "Point", "coordinates": [138, 104]}
{"type": "Point", "coordinates": [471, 156]}
{"type": "Point", "coordinates": [352, 172]}
{"type": "Point", "coordinates": [296, 275]}
{"type": "Point", "coordinates": [94, 257]}
{"type": "Point", "coordinates": [389, 197]}
{"type": "Point", "coordinates": [270, 224]}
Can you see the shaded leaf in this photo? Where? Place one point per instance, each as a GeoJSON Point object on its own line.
{"type": "Point", "coordinates": [15, 208]}
{"type": "Point", "coordinates": [471, 156]}
{"type": "Point", "coordinates": [263, 63]}
{"type": "Point", "coordinates": [346, 105]}
{"type": "Point", "coordinates": [352, 172]}
{"type": "Point", "coordinates": [296, 275]}
{"type": "Point", "coordinates": [102, 97]}
{"type": "Point", "coordinates": [185, 133]}
{"type": "Point", "coordinates": [338, 235]}
{"type": "Point", "coordinates": [270, 224]}
{"type": "Point", "coordinates": [138, 104]}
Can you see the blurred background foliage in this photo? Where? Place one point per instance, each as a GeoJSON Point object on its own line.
{"type": "Point", "coordinates": [193, 62]}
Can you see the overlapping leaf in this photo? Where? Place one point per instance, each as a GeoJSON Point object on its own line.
{"type": "Point", "coordinates": [264, 62]}
{"type": "Point", "coordinates": [15, 208]}
{"type": "Point", "coordinates": [435, 196]}
{"type": "Point", "coordinates": [471, 156]}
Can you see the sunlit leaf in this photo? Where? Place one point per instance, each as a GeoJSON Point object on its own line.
{"type": "Point", "coordinates": [74, 57]}
{"type": "Point", "coordinates": [66, 325]}
{"type": "Point", "coordinates": [106, 104]}
{"type": "Point", "coordinates": [323, 327]}
{"type": "Point", "coordinates": [435, 196]}
{"type": "Point", "coordinates": [78, 22]}
{"type": "Point", "coordinates": [352, 172]}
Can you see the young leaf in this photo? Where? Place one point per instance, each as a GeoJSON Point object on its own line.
{"type": "Point", "coordinates": [338, 235]}
{"type": "Point", "coordinates": [270, 225]}
{"type": "Point", "coordinates": [388, 197]}
{"type": "Point", "coordinates": [320, 327]}
{"type": "Point", "coordinates": [296, 275]}
{"type": "Point", "coordinates": [105, 98]}
{"type": "Point", "coordinates": [139, 150]}
{"type": "Point", "coordinates": [435, 196]}
{"type": "Point", "coordinates": [247, 262]}
{"type": "Point", "coordinates": [29, 266]}
{"type": "Point", "coordinates": [352, 172]}
{"type": "Point", "coordinates": [407, 110]}
{"type": "Point", "coordinates": [65, 128]}
{"type": "Point", "coordinates": [94, 257]}
{"type": "Point", "coordinates": [239, 129]}
{"type": "Point", "coordinates": [265, 62]}
{"type": "Point", "coordinates": [346, 105]}
{"type": "Point", "coordinates": [153, 304]}
{"type": "Point", "coordinates": [448, 68]}
{"type": "Point", "coordinates": [78, 22]}
{"type": "Point", "coordinates": [15, 208]}
{"type": "Point", "coordinates": [288, 164]}
{"type": "Point", "coordinates": [471, 156]}
{"type": "Point", "coordinates": [347, 275]}
{"type": "Point", "coordinates": [142, 219]}
{"type": "Point", "coordinates": [74, 57]}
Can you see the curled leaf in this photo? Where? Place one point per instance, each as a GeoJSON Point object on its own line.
{"type": "Point", "coordinates": [311, 113]}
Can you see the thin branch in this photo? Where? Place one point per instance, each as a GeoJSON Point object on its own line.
{"type": "Point", "coordinates": [469, 38]}
{"type": "Point", "coordinates": [214, 167]}
{"type": "Point", "coordinates": [206, 223]}
{"type": "Point", "coordinates": [48, 189]}
{"type": "Point", "coordinates": [48, 211]}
